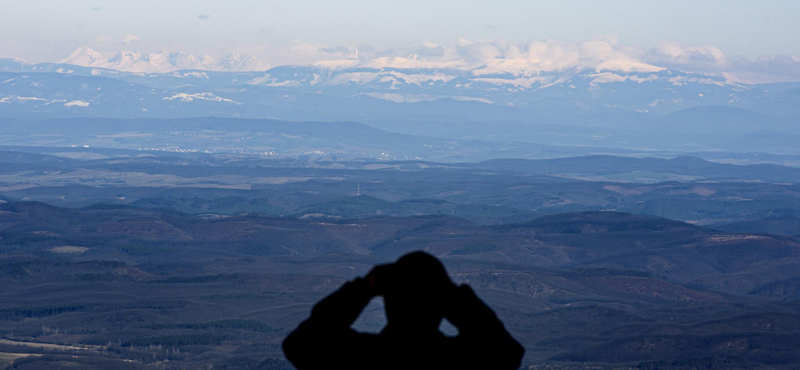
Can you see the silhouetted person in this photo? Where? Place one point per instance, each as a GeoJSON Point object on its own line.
{"type": "Point", "coordinates": [417, 295]}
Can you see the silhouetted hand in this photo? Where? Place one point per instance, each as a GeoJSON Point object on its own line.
{"type": "Point", "coordinates": [380, 278]}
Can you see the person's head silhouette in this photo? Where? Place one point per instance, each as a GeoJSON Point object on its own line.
{"type": "Point", "coordinates": [414, 291]}
{"type": "Point", "coordinates": [417, 295]}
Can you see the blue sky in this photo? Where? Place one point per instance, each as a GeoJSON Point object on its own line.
{"type": "Point", "coordinates": [42, 30]}
{"type": "Point", "coordinates": [748, 28]}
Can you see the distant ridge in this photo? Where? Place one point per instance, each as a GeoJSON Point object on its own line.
{"type": "Point", "coordinates": [612, 99]}
{"type": "Point", "coordinates": [591, 222]}
{"type": "Point", "coordinates": [163, 61]}
{"type": "Point", "coordinates": [610, 165]}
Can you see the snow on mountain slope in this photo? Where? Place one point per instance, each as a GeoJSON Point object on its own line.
{"type": "Point", "coordinates": [163, 61]}
{"type": "Point", "coordinates": [87, 57]}
{"type": "Point", "coordinates": [238, 62]}
{"type": "Point", "coordinates": [13, 64]}
{"type": "Point", "coordinates": [238, 82]}
{"type": "Point", "coordinates": [660, 91]}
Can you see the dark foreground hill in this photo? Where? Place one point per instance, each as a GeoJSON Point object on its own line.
{"type": "Point", "coordinates": [129, 287]}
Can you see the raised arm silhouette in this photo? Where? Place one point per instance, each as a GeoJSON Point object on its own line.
{"type": "Point", "coordinates": [417, 295]}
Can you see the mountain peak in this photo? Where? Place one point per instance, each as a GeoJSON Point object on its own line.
{"type": "Point", "coordinates": [163, 61]}
{"type": "Point", "coordinates": [85, 56]}
{"type": "Point", "coordinates": [238, 62]}
{"type": "Point", "coordinates": [12, 64]}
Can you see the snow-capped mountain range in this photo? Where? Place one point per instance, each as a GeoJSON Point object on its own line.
{"type": "Point", "coordinates": [176, 84]}
{"type": "Point", "coordinates": [615, 105]}
{"type": "Point", "coordinates": [163, 61]}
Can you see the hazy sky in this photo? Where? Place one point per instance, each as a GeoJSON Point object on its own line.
{"type": "Point", "coordinates": [39, 30]}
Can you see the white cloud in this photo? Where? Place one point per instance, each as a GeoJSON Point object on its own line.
{"type": "Point", "coordinates": [712, 60]}
{"type": "Point", "coordinates": [674, 53]}
{"type": "Point", "coordinates": [499, 56]}
{"type": "Point", "coordinates": [129, 39]}
{"type": "Point", "coordinates": [771, 68]}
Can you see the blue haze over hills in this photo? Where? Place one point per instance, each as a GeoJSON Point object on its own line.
{"type": "Point", "coordinates": [180, 191]}
{"type": "Point", "coordinates": [657, 110]}
{"type": "Point", "coordinates": [642, 219]}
